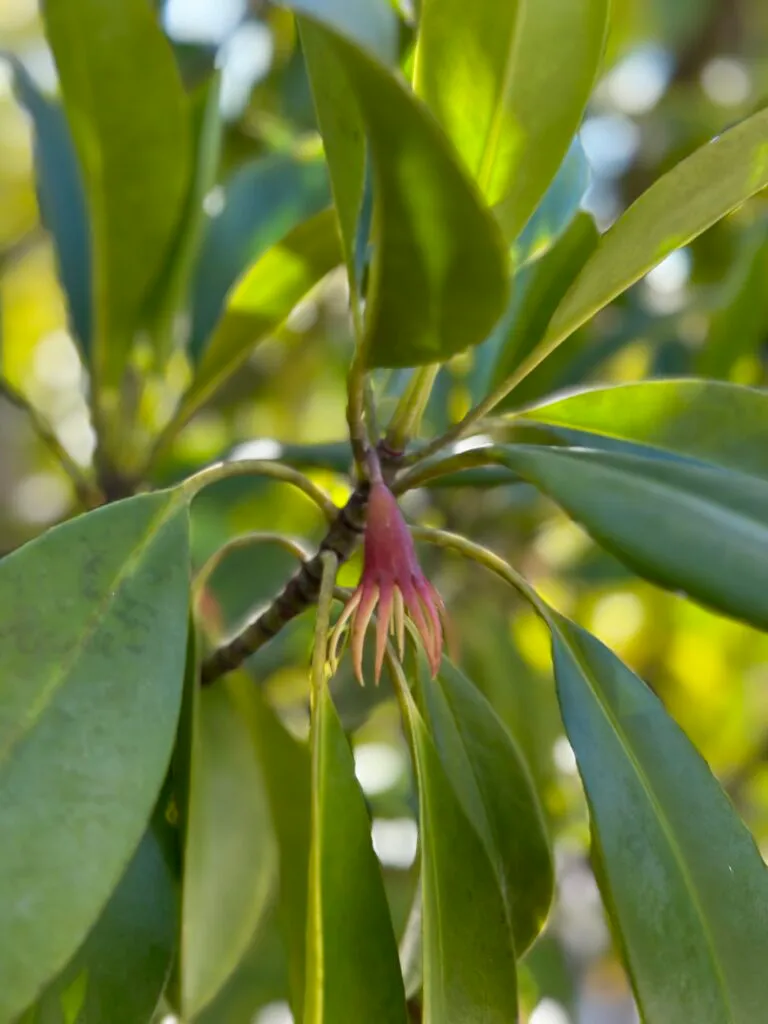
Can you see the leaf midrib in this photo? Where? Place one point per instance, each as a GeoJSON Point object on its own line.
{"type": "Point", "coordinates": [48, 693]}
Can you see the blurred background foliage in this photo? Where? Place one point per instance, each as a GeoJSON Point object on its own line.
{"type": "Point", "coordinates": [675, 75]}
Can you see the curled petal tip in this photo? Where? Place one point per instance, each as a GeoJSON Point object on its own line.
{"type": "Point", "coordinates": [384, 614]}
{"type": "Point", "coordinates": [370, 595]}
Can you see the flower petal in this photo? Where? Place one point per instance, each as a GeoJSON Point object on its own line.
{"type": "Point", "coordinates": [399, 621]}
{"type": "Point", "coordinates": [337, 632]}
{"type": "Point", "coordinates": [426, 592]}
{"type": "Point", "coordinates": [370, 595]}
{"type": "Point", "coordinates": [386, 597]}
{"type": "Point", "coordinates": [416, 612]}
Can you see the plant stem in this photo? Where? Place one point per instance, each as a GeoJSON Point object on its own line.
{"type": "Point", "coordinates": [356, 400]}
{"type": "Point", "coordinates": [486, 558]}
{"type": "Point", "coordinates": [245, 540]}
{"type": "Point", "coordinates": [330, 565]}
{"type": "Point", "coordinates": [258, 467]}
{"type": "Point", "coordinates": [479, 412]}
{"type": "Point", "coordinates": [424, 473]}
{"type": "Point", "coordinates": [300, 592]}
{"type": "Point", "coordinates": [406, 418]}
{"type": "Point", "coordinates": [88, 494]}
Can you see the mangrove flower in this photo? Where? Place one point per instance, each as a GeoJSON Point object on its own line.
{"type": "Point", "coordinates": [392, 585]}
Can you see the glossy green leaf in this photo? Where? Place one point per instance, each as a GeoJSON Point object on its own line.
{"type": "Point", "coordinates": [130, 122]}
{"type": "Point", "coordinates": [724, 424]}
{"type": "Point", "coordinates": [557, 209]}
{"type": "Point", "coordinates": [353, 970]}
{"type": "Point", "coordinates": [372, 24]}
{"type": "Point", "coordinates": [690, 528]}
{"type": "Point", "coordinates": [62, 202]}
{"type": "Point", "coordinates": [287, 774]}
{"type": "Point", "coordinates": [468, 970]}
{"type": "Point", "coordinates": [439, 273]}
{"type": "Point", "coordinates": [492, 782]}
{"type": "Point", "coordinates": [679, 206]}
{"type": "Point", "coordinates": [683, 880]}
{"type": "Point", "coordinates": [171, 294]}
{"type": "Point", "coordinates": [537, 292]}
{"type": "Point", "coordinates": [263, 202]}
{"type": "Point", "coordinates": [118, 976]}
{"type": "Point", "coordinates": [230, 862]}
{"type": "Point", "coordinates": [92, 650]}
{"type": "Point", "coordinates": [509, 84]}
{"type": "Point", "coordinates": [260, 302]}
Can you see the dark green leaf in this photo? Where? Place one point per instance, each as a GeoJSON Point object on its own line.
{"type": "Point", "coordinates": [353, 971]}
{"type": "Point", "coordinates": [438, 280]}
{"type": "Point", "coordinates": [537, 291]}
{"type": "Point", "coordinates": [684, 883]}
{"type": "Point", "coordinates": [262, 203]}
{"type": "Point", "coordinates": [230, 863]}
{"type": "Point", "coordinates": [173, 285]}
{"type": "Point", "coordinates": [687, 527]}
{"type": "Point", "coordinates": [509, 84]}
{"type": "Point", "coordinates": [260, 303]}
{"type": "Point", "coordinates": [675, 209]}
{"type": "Point", "coordinates": [119, 974]}
{"type": "Point", "coordinates": [468, 971]}
{"type": "Point", "coordinates": [707, 420]}
{"type": "Point", "coordinates": [494, 786]}
{"type": "Point", "coordinates": [372, 24]}
{"type": "Point", "coordinates": [287, 774]}
{"type": "Point", "coordinates": [130, 122]}
{"type": "Point", "coordinates": [92, 650]}
{"type": "Point", "coordinates": [62, 202]}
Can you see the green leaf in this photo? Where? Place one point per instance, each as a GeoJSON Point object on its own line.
{"type": "Point", "coordinates": [684, 883]}
{"type": "Point", "coordinates": [509, 84]}
{"type": "Point", "coordinates": [263, 202]}
{"type": "Point", "coordinates": [537, 292]}
{"type": "Point", "coordinates": [259, 304]}
{"type": "Point", "coordinates": [469, 967]}
{"type": "Point", "coordinates": [353, 970]}
{"type": "Point", "coordinates": [118, 976]}
{"type": "Point", "coordinates": [130, 121]}
{"type": "Point", "coordinates": [679, 206]}
{"type": "Point", "coordinates": [684, 526]}
{"type": "Point", "coordinates": [724, 424]}
{"type": "Point", "coordinates": [287, 774]}
{"type": "Point", "coordinates": [373, 25]}
{"type": "Point", "coordinates": [557, 208]}
{"type": "Point", "coordinates": [738, 327]}
{"type": "Point", "coordinates": [171, 294]}
{"type": "Point", "coordinates": [62, 202]}
{"type": "Point", "coordinates": [230, 862]}
{"type": "Point", "coordinates": [92, 650]}
{"type": "Point", "coordinates": [439, 274]}
{"type": "Point", "coordinates": [494, 786]}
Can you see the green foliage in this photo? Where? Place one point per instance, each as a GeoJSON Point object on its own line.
{"type": "Point", "coordinates": [468, 968]}
{"type": "Point", "coordinates": [668, 845]}
{"type": "Point", "coordinates": [190, 823]}
{"type": "Point", "coordinates": [347, 905]}
{"type": "Point", "coordinates": [230, 854]}
{"type": "Point", "coordinates": [91, 656]}
{"type": "Point", "coordinates": [133, 141]}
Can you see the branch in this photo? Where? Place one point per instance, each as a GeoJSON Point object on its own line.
{"type": "Point", "coordinates": [88, 494]}
{"type": "Point", "coordinates": [300, 593]}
